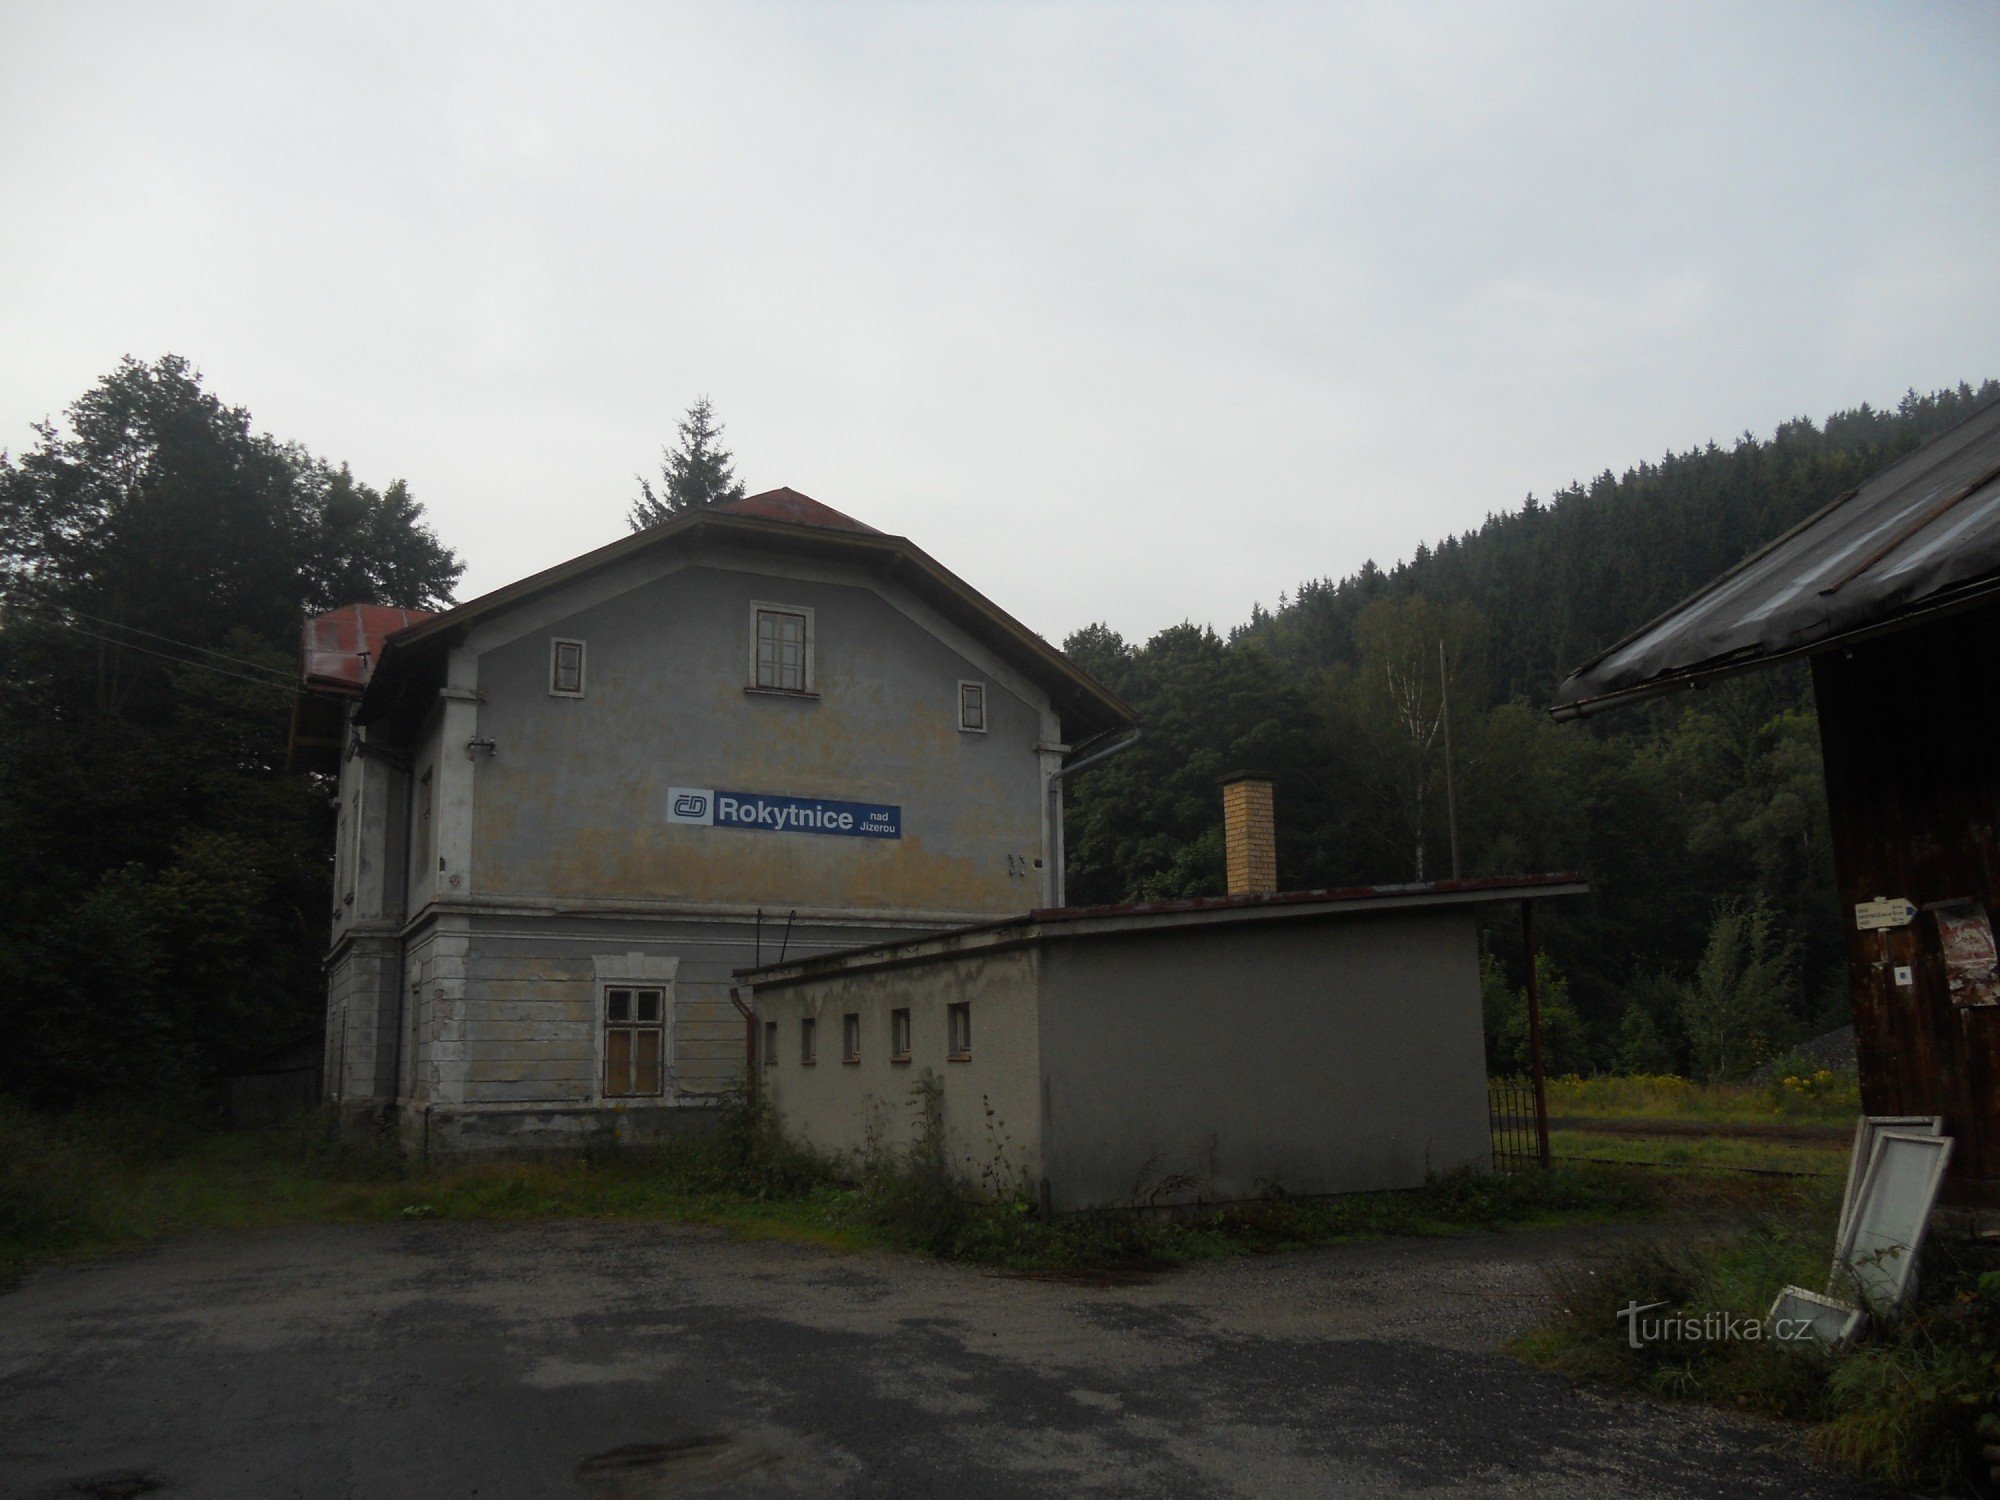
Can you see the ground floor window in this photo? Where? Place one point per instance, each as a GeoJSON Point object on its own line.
{"type": "Point", "coordinates": [958, 1029]}
{"type": "Point", "coordinates": [850, 1038]}
{"type": "Point", "coordinates": [770, 1044]}
{"type": "Point", "coordinates": [899, 1035]}
{"type": "Point", "coordinates": [634, 1042]}
{"type": "Point", "coordinates": [806, 1040]}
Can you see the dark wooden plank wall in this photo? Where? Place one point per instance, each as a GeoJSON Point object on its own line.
{"type": "Point", "coordinates": [1910, 727]}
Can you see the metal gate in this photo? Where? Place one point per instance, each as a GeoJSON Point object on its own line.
{"type": "Point", "coordinates": [1520, 1139]}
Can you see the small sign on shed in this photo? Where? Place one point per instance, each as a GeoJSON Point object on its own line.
{"type": "Point", "coordinates": [1872, 915]}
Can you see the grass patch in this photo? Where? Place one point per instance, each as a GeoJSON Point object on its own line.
{"type": "Point", "coordinates": [1703, 1152]}
{"type": "Point", "coordinates": [1904, 1408]}
{"type": "Point", "coordinates": [88, 1184]}
{"type": "Point", "coordinates": [1801, 1094]}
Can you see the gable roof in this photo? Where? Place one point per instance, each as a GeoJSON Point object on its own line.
{"type": "Point", "coordinates": [779, 521]}
{"type": "Point", "coordinates": [1919, 537]}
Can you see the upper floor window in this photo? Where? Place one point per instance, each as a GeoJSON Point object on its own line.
{"type": "Point", "coordinates": [566, 669]}
{"type": "Point", "coordinates": [782, 648]}
{"type": "Point", "coordinates": [972, 707]}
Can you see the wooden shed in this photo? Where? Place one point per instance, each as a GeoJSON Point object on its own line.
{"type": "Point", "coordinates": [1893, 591]}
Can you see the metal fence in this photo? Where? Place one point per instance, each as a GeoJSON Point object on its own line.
{"type": "Point", "coordinates": [1510, 1113]}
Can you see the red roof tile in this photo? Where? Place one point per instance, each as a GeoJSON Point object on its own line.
{"type": "Point", "coordinates": [789, 505]}
{"type": "Point", "coordinates": [343, 645]}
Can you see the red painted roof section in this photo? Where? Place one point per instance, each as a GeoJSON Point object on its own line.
{"type": "Point", "coordinates": [342, 646]}
{"type": "Point", "coordinates": [789, 505]}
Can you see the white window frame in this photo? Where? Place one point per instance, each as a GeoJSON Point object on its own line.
{"type": "Point", "coordinates": [556, 644]}
{"type": "Point", "coordinates": [810, 688]}
{"type": "Point", "coordinates": [665, 988]}
{"type": "Point", "coordinates": [985, 710]}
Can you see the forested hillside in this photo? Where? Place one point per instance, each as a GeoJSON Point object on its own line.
{"type": "Point", "coordinates": [1711, 941]}
{"type": "Point", "coordinates": [163, 877]}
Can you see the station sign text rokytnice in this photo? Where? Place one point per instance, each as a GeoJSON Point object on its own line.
{"type": "Point", "coordinates": [767, 812]}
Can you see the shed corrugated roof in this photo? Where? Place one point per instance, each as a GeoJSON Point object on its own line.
{"type": "Point", "coordinates": [1921, 535]}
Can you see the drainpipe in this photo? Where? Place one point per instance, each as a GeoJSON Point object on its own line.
{"type": "Point", "coordinates": [1058, 876]}
{"type": "Point", "coordinates": [749, 1043]}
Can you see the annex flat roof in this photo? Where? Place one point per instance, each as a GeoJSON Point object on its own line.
{"type": "Point", "coordinates": [1060, 922]}
{"type": "Point", "coordinates": [1919, 538]}
{"type": "Point", "coordinates": [785, 520]}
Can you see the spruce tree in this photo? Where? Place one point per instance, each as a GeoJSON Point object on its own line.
{"type": "Point", "coordinates": [698, 473]}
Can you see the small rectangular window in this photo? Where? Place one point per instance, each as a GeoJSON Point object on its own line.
{"type": "Point", "coordinates": [634, 1042]}
{"type": "Point", "coordinates": [850, 1038]}
{"type": "Point", "coordinates": [566, 669]}
{"type": "Point", "coordinates": [972, 707]}
{"type": "Point", "coordinates": [807, 1041]}
{"type": "Point", "coordinates": [958, 1028]}
{"type": "Point", "coordinates": [781, 657]}
{"type": "Point", "coordinates": [770, 1044]}
{"type": "Point", "coordinates": [899, 1036]}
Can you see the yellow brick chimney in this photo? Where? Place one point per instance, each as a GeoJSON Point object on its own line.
{"type": "Point", "coordinates": [1249, 836]}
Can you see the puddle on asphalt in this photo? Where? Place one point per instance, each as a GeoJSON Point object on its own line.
{"type": "Point", "coordinates": [688, 1466]}
{"type": "Point", "coordinates": [125, 1484]}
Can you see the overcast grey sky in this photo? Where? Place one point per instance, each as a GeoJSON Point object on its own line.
{"type": "Point", "coordinates": [1124, 312]}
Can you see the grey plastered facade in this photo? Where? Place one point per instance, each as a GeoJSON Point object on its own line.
{"type": "Point", "coordinates": [506, 856]}
{"type": "Point", "coordinates": [1205, 1051]}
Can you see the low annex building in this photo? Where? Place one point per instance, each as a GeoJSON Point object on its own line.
{"type": "Point", "coordinates": [1201, 1050]}
{"type": "Point", "coordinates": [569, 809]}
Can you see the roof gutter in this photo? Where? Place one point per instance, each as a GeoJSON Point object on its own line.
{"type": "Point", "coordinates": [1092, 759]}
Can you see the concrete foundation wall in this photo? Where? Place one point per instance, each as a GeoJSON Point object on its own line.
{"type": "Point", "coordinates": [989, 1101]}
{"type": "Point", "coordinates": [1219, 1062]}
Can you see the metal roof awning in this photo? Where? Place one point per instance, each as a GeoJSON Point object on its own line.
{"type": "Point", "coordinates": [1918, 538]}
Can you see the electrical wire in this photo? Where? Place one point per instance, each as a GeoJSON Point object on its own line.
{"type": "Point", "coordinates": [181, 661]}
{"type": "Point", "coordinates": [49, 613]}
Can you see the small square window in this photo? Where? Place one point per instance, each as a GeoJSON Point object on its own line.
{"type": "Point", "coordinates": [972, 707]}
{"type": "Point", "coordinates": [850, 1038]}
{"type": "Point", "coordinates": [958, 1031]}
{"type": "Point", "coordinates": [899, 1036]}
{"type": "Point", "coordinates": [781, 650]}
{"type": "Point", "coordinates": [770, 1044]}
{"type": "Point", "coordinates": [566, 669]}
{"type": "Point", "coordinates": [807, 1041]}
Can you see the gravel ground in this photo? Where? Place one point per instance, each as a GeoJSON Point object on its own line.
{"type": "Point", "coordinates": [617, 1360]}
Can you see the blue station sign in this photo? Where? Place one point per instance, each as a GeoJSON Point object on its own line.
{"type": "Point", "coordinates": [768, 812]}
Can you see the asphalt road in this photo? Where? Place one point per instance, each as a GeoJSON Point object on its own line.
{"type": "Point", "coordinates": [614, 1360]}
